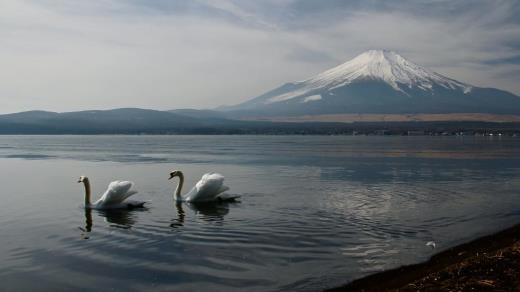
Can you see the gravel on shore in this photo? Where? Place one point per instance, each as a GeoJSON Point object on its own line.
{"type": "Point", "coordinates": [489, 263]}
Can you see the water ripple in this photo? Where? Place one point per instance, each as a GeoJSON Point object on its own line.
{"type": "Point", "coordinates": [315, 212]}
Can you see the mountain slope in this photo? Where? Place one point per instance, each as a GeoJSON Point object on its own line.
{"type": "Point", "coordinates": [194, 113]}
{"type": "Point", "coordinates": [378, 81]}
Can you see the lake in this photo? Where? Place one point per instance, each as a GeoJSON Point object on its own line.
{"type": "Point", "coordinates": [316, 211]}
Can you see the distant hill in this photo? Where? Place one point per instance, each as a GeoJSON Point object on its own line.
{"type": "Point", "coordinates": [200, 113]}
{"type": "Point", "coordinates": [28, 117]}
{"type": "Point", "coordinates": [124, 120]}
{"type": "Point", "coordinates": [143, 121]}
{"type": "Point", "coordinates": [377, 82]}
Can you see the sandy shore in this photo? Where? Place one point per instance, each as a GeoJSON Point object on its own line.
{"type": "Point", "coordinates": [489, 263]}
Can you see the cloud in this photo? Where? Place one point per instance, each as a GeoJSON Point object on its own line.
{"type": "Point", "coordinates": [63, 55]}
{"type": "Point", "coordinates": [504, 61]}
{"type": "Point", "coordinates": [302, 54]}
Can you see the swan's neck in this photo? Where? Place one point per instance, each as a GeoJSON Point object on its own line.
{"type": "Point", "coordinates": [86, 182]}
{"type": "Point", "coordinates": [177, 195]}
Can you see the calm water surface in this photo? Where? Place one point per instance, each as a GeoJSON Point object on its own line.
{"type": "Point", "coordinates": [315, 212]}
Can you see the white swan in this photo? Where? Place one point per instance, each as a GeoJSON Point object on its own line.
{"type": "Point", "coordinates": [210, 188]}
{"type": "Point", "coordinates": [114, 197]}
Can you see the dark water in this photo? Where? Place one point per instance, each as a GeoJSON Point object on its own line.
{"type": "Point", "coordinates": [316, 212]}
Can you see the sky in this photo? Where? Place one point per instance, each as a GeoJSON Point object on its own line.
{"type": "Point", "coordinates": [62, 55]}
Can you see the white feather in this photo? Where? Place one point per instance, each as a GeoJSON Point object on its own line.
{"type": "Point", "coordinates": [228, 197]}
{"type": "Point", "coordinates": [115, 196]}
{"type": "Point", "coordinates": [209, 188]}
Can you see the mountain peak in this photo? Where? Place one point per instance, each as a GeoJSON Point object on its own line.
{"type": "Point", "coordinates": [384, 65]}
{"type": "Point", "coordinates": [378, 54]}
{"type": "Point", "coordinates": [378, 82]}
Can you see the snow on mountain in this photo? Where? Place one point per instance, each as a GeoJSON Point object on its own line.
{"type": "Point", "coordinates": [384, 65]}
{"type": "Point", "coordinates": [312, 98]}
{"type": "Point", "coordinates": [377, 81]}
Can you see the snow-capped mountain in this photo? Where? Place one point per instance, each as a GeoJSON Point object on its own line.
{"type": "Point", "coordinates": [387, 66]}
{"type": "Point", "coordinates": [379, 81]}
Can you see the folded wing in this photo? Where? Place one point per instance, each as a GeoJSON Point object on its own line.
{"type": "Point", "coordinates": [117, 192]}
{"type": "Point", "coordinates": [208, 188]}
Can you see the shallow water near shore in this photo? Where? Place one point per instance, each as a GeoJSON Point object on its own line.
{"type": "Point", "coordinates": [316, 211]}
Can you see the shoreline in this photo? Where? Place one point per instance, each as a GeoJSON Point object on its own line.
{"type": "Point", "coordinates": [486, 263]}
{"type": "Point", "coordinates": [405, 117]}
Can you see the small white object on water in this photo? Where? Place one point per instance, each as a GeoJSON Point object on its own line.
{"type": "Point", "coordinates": [431, 244]}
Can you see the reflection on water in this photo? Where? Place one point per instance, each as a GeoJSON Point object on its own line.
{"type": "Point", "coordinates": [315, 211]}
{"type": "Point", "coordinates": [88, 224]}
{"type": "Point", "coordinates": [207, 211]}
{"type": "Point", "coordinates": [253, 149]}
{"type": "Point", "coordinates": [210, 211]}
{"type": "Point", "coordinates": [179, 221]}
{"type": "Point", "coordinates": [118, 218]}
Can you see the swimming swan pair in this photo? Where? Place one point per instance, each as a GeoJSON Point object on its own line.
{"type": "Point", "coordinates": [210, 188]}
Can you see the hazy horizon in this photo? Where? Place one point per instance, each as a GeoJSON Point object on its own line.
{"type": "Point", "coordinates": [164, 55]}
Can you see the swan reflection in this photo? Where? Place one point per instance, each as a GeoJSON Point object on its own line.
{"type": "Point", "coordinates": [119, 218]}
{"type": "Point", "coordinates": [179, 221]}
{"type": "Point", "coordinates": [209, 212]}
{"type": "Point", "coordinates": [88, 224]}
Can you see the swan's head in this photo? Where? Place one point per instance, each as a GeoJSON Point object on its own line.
{"type": "Point", "coordinates": [175, 173]}
{"type": "Point", "coordinates": [82, 179]}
